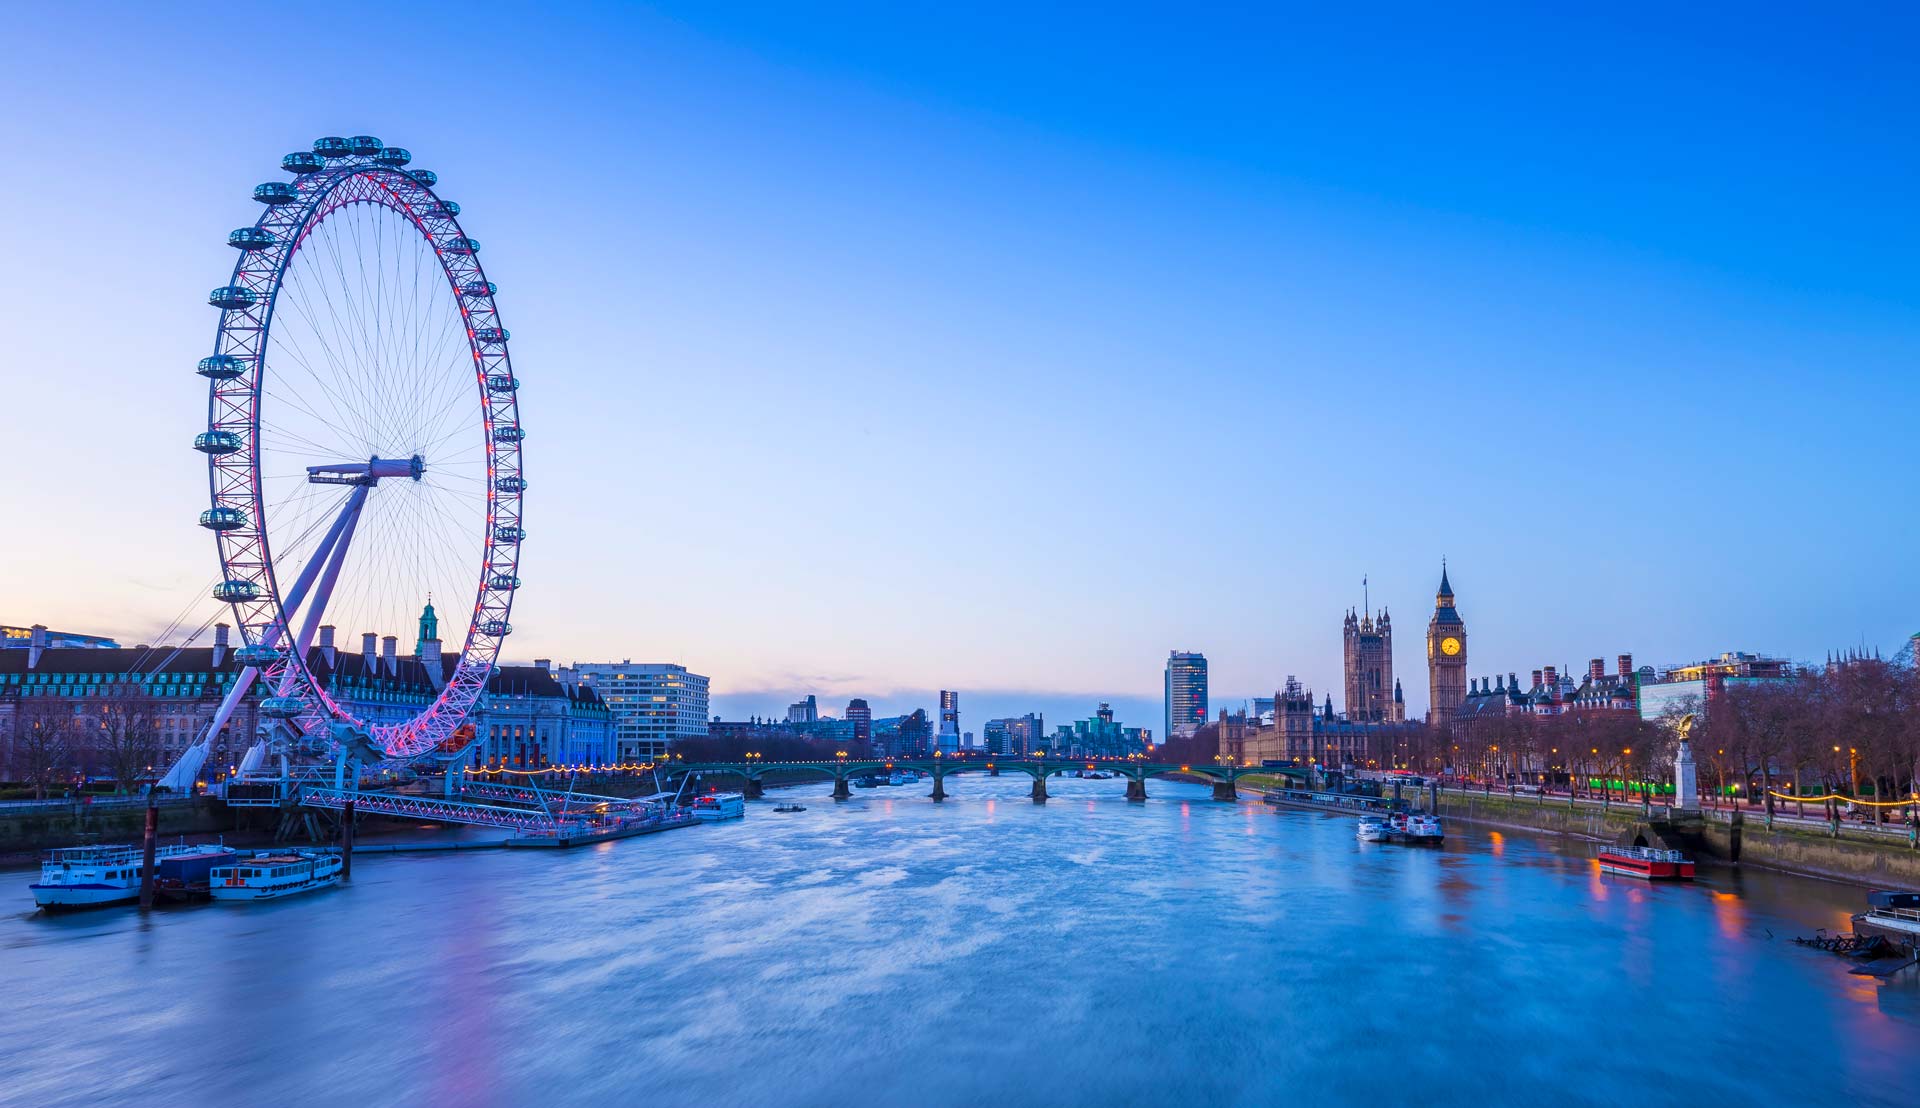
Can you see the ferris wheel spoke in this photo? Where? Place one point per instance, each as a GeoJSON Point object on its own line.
{"type": "Point", "coordinates": [344, 407]}
{"type": "Point", "coordinates": [344, 314]}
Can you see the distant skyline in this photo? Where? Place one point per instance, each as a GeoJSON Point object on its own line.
{"type": "Point", "coordinates": [1007, 351]}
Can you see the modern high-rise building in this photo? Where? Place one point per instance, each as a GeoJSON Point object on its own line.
{"type": "Point", "coordinates": [804, 711]}
{"type": "Point", "coordinates": [1186, 684]}
{"type": "Point", "coordinates": [949, 737]}
{"type": "Point", "coordinates": [1014, 735]}
{"type": "Point", "coordinates": [654, 704]}
{"type": "Point", "coordinates": [861, 717]}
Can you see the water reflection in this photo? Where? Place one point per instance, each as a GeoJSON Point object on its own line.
{"type": "Point", "coordinates": [888, 950]}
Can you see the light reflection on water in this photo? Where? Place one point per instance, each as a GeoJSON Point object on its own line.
{"type": "Point", "coordinates": [890, 950]}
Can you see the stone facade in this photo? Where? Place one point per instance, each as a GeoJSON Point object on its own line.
{"type": "Point", "coordinates": [1446, 658]}
{"type": "Point", "coordinates": [1372, 694]}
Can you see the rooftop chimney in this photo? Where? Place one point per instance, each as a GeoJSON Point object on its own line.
{"type": "Point", "coordinates": [370, 649]}
{"type": "Point", "coordinates": [220, 643]}
{"type": "Point", "coordinates": [1537, 679]}
{"type": "Point", "coordinates": [36, 645]}
{"type": "Point", "coordinates": [1553, 682]}
{"type": "Point", "coordinates": [544, 663]}
{"type": "Point", "coordinates": [1626, 666]}
{"type": "Point", "coordinates": [326, 643]}
{"type": "Point", "coordinates": [1596, 669]}
{"type": "Point", "coordinates": [436, 668]}
{"type": "Point", "coordinates": [1513, 682]}
{"type": "Point", "coordinates": [389, 651]}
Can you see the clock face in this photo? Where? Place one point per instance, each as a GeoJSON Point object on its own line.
{"type": "Point", "coordinates": [1449, 646]}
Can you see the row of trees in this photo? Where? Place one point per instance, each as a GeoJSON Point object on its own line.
{"type": "Point", "coordinates": [1852, 729]}
{"type": "Point", "coordinates": [51, 740]}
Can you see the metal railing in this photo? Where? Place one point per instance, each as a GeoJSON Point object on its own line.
{"type": "Point", "coordinates": [424, 807]}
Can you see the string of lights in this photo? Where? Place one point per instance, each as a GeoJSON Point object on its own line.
{"type": "Point", "coordinates": [1777, 795]}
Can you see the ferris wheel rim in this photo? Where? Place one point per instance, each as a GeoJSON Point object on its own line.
{"type": "Point", "coordinates": [294, 211]}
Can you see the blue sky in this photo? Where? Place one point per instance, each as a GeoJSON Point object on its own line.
{"type": "Point", "coordinates": [878, 349]}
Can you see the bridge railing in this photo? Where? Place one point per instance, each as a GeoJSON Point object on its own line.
{"type": "Point", "coordinates": [407, 806]}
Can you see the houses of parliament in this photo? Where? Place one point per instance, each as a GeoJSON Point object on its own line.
{"type": "Point", "coordinates": [1375, 718]}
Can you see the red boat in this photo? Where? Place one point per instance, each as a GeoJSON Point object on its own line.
{"type": "Point", "coordinates": [1647, 862]}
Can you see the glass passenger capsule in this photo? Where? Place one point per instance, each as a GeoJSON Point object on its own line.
{"type": "Point", "coordinates": [479, 288]}
{"type": "Point", "coordinates": [256, 655]}
{"type": "Point", "coordinates": [426, 177]}
{"type": "Point", "coordinates": [492, 334]}
{"type": "Point", "coordinates": [231, 297]}
{"type": "Point", "coordinates": [449, 208]}
{"type": "Point", "coordinates": [217, 442]}
{"type": "Point", "coordinates": [222, 367]}
{"type": "Point", "coordinates": [333, 146]}
{"type": "Point", "coordinates": [395, 156]}
{"type": "Point", "coordinates": [302, 162]}
{"type": "Point", "coordinates": [500, 383]}
{"type": "Point", "coordinates": [503, 582]}
{"type": "Point", "coordinates": [462, 246]}
{"type": "Point", "coordinates": [235, 591]}
{"type": "Point", "coordinates": [365, 145]}
{"type": "Point", "coordinates": [496, 628]}
{"type": "Point", "coordinates": [251, 238]}
{"type": "Point", "coordinates": [275, 192]}
{"type": "Point", "coordinates": [282, 707]}
{"type": "Point", "coordinates": [223, 519]}
{"type": "Point", "coordinates": [511, 484]}
{"type": "Point", "coordinates": [510, 434]}
{"type": "Point", "coordinates": [509, 532]}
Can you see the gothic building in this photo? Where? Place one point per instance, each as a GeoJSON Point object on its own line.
{"type": "Point", "coordinates": [1446, 657]}
{"type": "Point", "coordinates": [1300, 732]}
{"type": "Point", "coordinates": [1372, 694]}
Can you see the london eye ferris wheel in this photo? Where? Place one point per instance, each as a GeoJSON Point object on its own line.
{"type": "Point", "coordinates": [363, 437]}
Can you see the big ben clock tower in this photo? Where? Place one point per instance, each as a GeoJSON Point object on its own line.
{"type": "Point", "coordinates": [1446, 657]}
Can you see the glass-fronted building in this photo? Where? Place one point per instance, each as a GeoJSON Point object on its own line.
{"type": "Point", "coordinates": [654, 704]}
{"type": "Point", "coordinates": [1186, 684]}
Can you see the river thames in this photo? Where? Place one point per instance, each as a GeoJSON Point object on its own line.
{"type": "Point", "coordinates": [889, 950]}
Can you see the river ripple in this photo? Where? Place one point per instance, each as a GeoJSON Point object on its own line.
{"type": "Point", "coordinates": [890, 950]}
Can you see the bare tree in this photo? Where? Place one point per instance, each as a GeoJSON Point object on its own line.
{"type": "Point", "coordinates": [128, 735]}
{"type": "Point", "coordinates": [43, 739]}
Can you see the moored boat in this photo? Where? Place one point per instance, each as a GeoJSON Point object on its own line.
{"type": "Point", "coordinates": [719, 806]}
{"type": "Point", "coordinates": [184, 878]}
{"type": "Point", "coordinates": [1649, 862]}
{"type": "Point", "coordinates": [1373, 829]}
{"type": "Point", "coordinates": [1893, 916]}
{"type": "Point", "coordinates": [1423, 828]}
{"type": "Point", "coordinates": [98, 876]}
{"type": "Point", "coordinates": [272, 874]}
{"type": "Point", "coordinates": [604, 827]}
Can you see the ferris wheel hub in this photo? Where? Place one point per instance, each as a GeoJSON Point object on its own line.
{"type": "Point", "coordinates": [368, 472]}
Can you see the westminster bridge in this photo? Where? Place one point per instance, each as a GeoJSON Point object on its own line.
{"type": "Point", "coordinates": [842, 771]}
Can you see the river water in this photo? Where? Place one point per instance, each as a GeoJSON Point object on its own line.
{"type": "Point", "coordinates": [893, 951]}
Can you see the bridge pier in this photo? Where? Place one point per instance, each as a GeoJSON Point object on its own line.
{"type": "Point", "coordinates": [755, 789]}
{"type": "Point", "coordinates": [1224, 790]}
{"type": "Point", "coordinates": [346, 841]}
{"type": "Point", "coordinates": [1136, 788]}
{"type": "Point", "coordinates": [1039, 789]}
{"type": "Point", "coordinates": [939, 786]}
{"type": "Point", "coordinates": [840, 789]}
